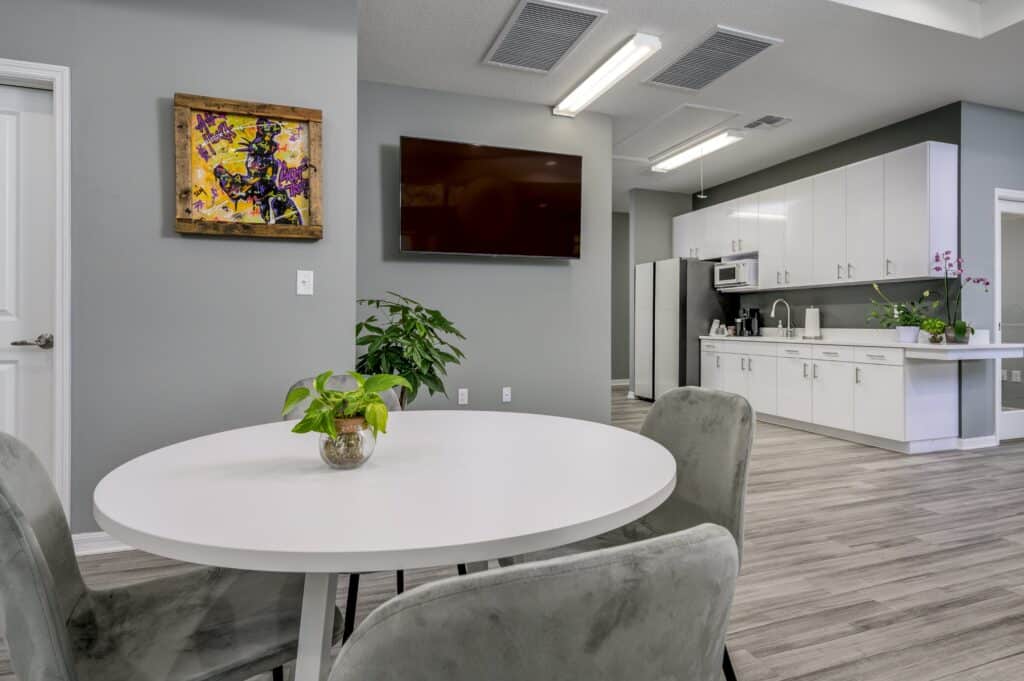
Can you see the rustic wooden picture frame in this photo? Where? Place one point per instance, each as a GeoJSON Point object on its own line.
{"type": "Point", "coordinates": [185, 106]}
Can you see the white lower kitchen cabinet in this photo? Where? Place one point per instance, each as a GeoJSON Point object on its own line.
{"type": "Point", "coordinates": [874, 395]}
{"type": "Point", "coordinates": [833, 394]}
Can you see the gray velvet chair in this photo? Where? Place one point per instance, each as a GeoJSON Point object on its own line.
{"type": "Point", "coordinates": [207, 624]}
{"type": "Point", "coordinates": [655, 610]}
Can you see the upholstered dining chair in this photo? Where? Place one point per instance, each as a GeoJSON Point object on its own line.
{"type": "Point", "coordinates": [654, 610]}
{"type": "Point", "coordinates": [205, 624]}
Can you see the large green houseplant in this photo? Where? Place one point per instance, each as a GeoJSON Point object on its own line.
{"type": "Point", "coordinates": [402, 336]}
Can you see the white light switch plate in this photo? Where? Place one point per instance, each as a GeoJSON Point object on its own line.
{"type": "Point", "coordinates": [506, 394]}
{"type": "Point", "coordinates": [463, 396]}
{"type": "Point", "coordinates": [304, 283]}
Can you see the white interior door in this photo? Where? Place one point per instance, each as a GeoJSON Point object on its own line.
{"type": "Point", "coordinates": [1010, 315]}
{"type": "Point", "coordinates": [27, 267]}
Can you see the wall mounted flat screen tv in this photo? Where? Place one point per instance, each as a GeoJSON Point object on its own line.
{"type": "Point", "coordinates": [473, 199]}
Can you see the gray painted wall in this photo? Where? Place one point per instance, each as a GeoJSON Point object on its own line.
{"type": "Point", "coordinates": [539, 326]}
{"type": "Point", "coordinates": [620, 295]}
{"type": "Point", "coordinates": [991, 156]}
{"type": "Point", "coordinates": [176, 337]}
{"type": "Point", "coordinates": [650, 236]}
{"type": "Point", "coordinates": [940, 125]}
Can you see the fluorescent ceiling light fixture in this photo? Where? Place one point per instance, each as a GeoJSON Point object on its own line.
{"type": "Point", "coordinates": [679, 158]}
{"type": "Point", "coordinates": [639, 49]}
{"type": "Point", "coordinates": [750, 215]}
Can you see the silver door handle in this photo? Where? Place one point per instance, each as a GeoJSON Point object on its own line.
{"type": "Point", "coordinates": [778, 277]}
{"type": "Point", "coordinates": [839, 271]}
{"type": "Point", "coordinates": [805, 369]}
{"type": "Point", "coordinates": [734, 245]}
{"type": "Point", "coordinates": [787, 276]}
{"type": "Point", "coordinates": [870, 356]}
{"type": "Point", "coordinates": [792, 352]}
{"type": "Point", "coordinates": [750, 364]}
{"type": "Point", "coordinates": [888, 267]}
{"type": "Point", "coordinates": [718, 361]}
{"type": "Point", "coordinates": [43, 341]}
{"type": "Point", "coordinates": [849, 270]}
{"type": "Point", "coordinates": [815, 371]}
{"type": "Point", "coordinates": [829, 353]}
{"type": "Point", "coordinates": [740, 242]}
{"type": "Point", "coordinates": [743, 364]}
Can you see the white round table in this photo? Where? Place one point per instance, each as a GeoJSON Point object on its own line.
{"type": "Point", "coordinates": [442, 488]}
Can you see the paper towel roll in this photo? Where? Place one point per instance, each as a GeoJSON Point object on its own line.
{"type": "Point", "coordinates": [812, 323]}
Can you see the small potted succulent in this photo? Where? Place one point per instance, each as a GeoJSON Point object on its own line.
{"type": "Point", "coordinates": [935, 328]}
{"type": "Point", "coordinates": [906, 317]}
{"type": "Point", "coordinates": [957, 330]}
{"type": "Point", "coordinates": [348, 420]}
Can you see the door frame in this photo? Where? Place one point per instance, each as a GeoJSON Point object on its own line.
{"type": "Point", "coordinates": [1001, 195]}
{"type": "Point", "coordinates": [56, 79]}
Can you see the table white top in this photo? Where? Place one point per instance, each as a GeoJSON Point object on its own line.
{"type": "Point", "coordinates": [443, 487]}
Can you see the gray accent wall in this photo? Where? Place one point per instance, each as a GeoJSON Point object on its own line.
{"type": "Point", "coordinates": [650, 236]}
{"type": "Point", "coordinates": [991, 157]}
{"type": "Point", "coordinates": [175, 337]}
{"type": "Point", "coordinates": [539, 326]}
{"type": "Point", "coordinates": [621, 278]}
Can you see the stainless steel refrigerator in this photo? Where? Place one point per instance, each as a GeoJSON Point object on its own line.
{"type": "Point", "coordinates": [674, 302]}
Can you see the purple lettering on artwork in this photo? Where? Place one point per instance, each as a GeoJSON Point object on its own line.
{"type": "Point", "coordinates": [214, 127]}
{"type": "Point", "coordinates": [293, 180]}
{"type": "Point", "coordinates": [198, 205]}
{"type": "Point", "coordinates": [203, 153]}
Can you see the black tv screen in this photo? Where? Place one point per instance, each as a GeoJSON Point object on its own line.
{"type": "Point", "coordinates": [473, 199]}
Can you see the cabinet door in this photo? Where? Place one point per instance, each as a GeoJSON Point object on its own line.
{"type": "Point", "coordinates": [771, 235]}
{"type": "Point", "coordinates": [907, 230]}
{"type": "Point", "coordinates": [682, 236]}
{"type": "Point", "coordinates": [833, 394]}
{"type": "Point", "coordinates": [878, 401]}
{"type": "Point", "coordinates": [745, 217]}
{"type": "Point", "coordinates": [710, 370]}
{"type": "Point", "coordinates": [697, 223]}
{"type": "Point", "coordinates": [734, 374]}
{"type": "Point", "coordinates": [799, 259]}
{"type": "Point", "coordinates": [666, 325]}
{"type": "Point", "coordinates": [865, 220]}
{"type": "Point", "coordinates": [795, 389]}
{"type": "Point", "coordinates": [717, 230]}
{"type": "Point", "coordinates": [731, 231]}
{"type": "Point", "coordinates": [830, 227]}
{"type": "Point", "coordinates": [763, 384]}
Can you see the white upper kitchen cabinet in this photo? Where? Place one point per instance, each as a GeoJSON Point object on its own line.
{"type": "Point", "coordinates": [745, 225]}
{"type": "Point", "coordinates": [688, 234]}
{"type": "Point", "coordinates": [771, 228]}
{"type": "Point", "coordinates": [865, 220]}
{"type": "Point", "coordinates": [921, 200]}
{"type": "Point", "coordinates": [717, 231]}
{"type": "Point", "coordinates": [830, 227]}
{"type": "Point", "coordinates": [799, 248]}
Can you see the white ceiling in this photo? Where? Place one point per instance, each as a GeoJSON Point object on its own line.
{"type": "Point", "coordinates": [841, 72]}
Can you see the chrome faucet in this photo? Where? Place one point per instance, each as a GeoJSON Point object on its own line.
{"type": "Point", "coordinates": [790, 331]}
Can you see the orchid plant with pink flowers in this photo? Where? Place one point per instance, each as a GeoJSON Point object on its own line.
{"type": "Point", "coordinates": [953, 268]}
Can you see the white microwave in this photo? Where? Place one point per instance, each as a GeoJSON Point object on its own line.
{"type": "Point", "coordinates": [736, 273]}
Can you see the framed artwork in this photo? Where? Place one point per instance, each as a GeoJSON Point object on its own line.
{"type": "Point", "coordinates": [247, 169]}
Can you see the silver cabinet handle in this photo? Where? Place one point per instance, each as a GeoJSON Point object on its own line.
{"type": "Point", "coordinates": [778, 277]}
{"type": "Point", "coordinates": [743, 363]}
{"type": "Point", "coordinates": [870, 356]}
{"type": "Point", "coordinates": [750, 363]}
{"type": "Point", "coordinates": [815, 371]}
{"type": "Point", "coordinates": [888, 267]}
{"type": "Point", "coordinates": [856, 374]}
{"type": "Point", "coordinates": [734, 245]}
{"type": "Point", "coordinates": [718, 361]}
{"type": "Point", "coordinates": [829, 353]}
{"type": "Point", "coordinates": [791, 351]}
{"type": "Point", "coordinates": [805, 369]}
{"type": "Point", "coordinates": [787, 276]}
{"type": "Point", "coordinates": [849, 270]}
{"type": "Point", "coordinates": [740, 242]}
{"type": "Point", "coordinates": [43, 341]}
{"type": "Point", "coordinates": [839, 271]}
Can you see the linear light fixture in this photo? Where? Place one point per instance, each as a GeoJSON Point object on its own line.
{"type": "Point", "coordinates": [750, 215]}
{"type": "Point", "coordinates": [631, 55]}
{"type": "Point", "coordinates": [680, 157]}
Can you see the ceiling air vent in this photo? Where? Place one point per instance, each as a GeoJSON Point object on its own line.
{"type": "Point", "coordinates": [768, 121]}
{"type": "Point", "coordinates": [721, 52]}
{"type": "Point", "coordinates": [540, 34]}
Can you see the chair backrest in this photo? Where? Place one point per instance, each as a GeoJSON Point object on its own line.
{"type": "Point", "coordinates": [40, 583]}
{"type": "Point", "coordinates": [654, 610]}
{"type": "Point", "coordinates": [340, 382]}
{"type": "Point", "coordinates": [710, 434]}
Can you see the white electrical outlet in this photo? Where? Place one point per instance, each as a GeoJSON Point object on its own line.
{"type": "Point", "coordinates": [506, 394]}
{"type": "Point", "coordinates": [1015, 375]}
{"type": "Point", "coordinates": [304, 282]}
{"type": "Point", "coordinates": [463, 396]}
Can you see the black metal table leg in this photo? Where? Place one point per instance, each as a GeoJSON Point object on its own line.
{"type": "Point", "coordinates": [730, 673]}
{"type": "Point", "coordinates": [350, 605]}
{"type": "Point", "coordinates": [278, 674]}
{"type": "Point", "coordinates": [462, 569]}
{"type": "Point", "coordinates": [400, 581]}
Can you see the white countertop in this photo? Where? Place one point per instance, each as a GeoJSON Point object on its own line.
{"type": "Point", "coordinates": [874, 338]}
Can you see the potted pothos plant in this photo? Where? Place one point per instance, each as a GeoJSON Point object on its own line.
{"type": "Point", "coordinates": [905, 317]}
{"type": "Point", "coordinates": [402, 336]}
{"type": "Point", "coordinates": [348, 420]}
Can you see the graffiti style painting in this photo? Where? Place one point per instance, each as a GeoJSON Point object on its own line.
{"type": "Point", "coordinates": [252, 169]}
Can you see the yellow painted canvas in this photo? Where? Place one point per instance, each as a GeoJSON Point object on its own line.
{"type": "Point", "coordinates": [249, 169]}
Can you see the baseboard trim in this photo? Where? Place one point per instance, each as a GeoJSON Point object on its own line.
{"type": "Point", "coordinates": [94, 543]}
{"type": "Point", "coordinates": [914, 447]}
{"type": "Point", "coordinates": [620, 381]}
{"type": "Point", "coordinates": [982, 442]}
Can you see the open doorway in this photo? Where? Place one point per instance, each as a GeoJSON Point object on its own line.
{"type": "Point", "coordinates": [1009, 286]}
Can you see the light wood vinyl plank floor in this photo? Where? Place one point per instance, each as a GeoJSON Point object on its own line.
{"type": "Point", "coordinates": [859, 564]}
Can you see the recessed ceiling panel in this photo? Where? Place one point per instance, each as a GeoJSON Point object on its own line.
{"type": "Point", "coordinates": [719, 53]}
{"type": "Point", "coordinates": [974, 18]}
{"type": "Point", "coordinates": [540, 34]}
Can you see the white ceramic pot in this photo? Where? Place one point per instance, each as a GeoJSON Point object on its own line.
{"type": "Point", "coordinates": [907, 334]}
